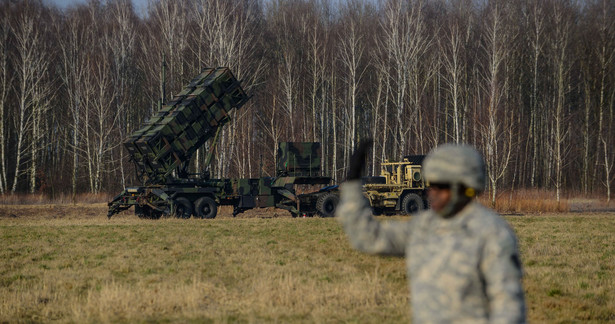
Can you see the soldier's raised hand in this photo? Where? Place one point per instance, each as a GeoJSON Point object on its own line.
{"type": "Point", "coordinates": [357, 160]}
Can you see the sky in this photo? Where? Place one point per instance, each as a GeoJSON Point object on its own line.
{"type": "Point", "coordinates": [139, 5]}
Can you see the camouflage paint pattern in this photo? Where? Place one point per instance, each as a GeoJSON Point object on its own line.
{"type": "Point", "coordinates": [254, 193]}
{"type": "Point", "coordinates": [300, 165]}
{"type": "Point", "coordinates": [463, 269]}
{"type": "Point", "coordinates": [296, 159]}
{"type": "Point", "coordinates": [456, 163]}
{"type": "Point", "coordinates": [184, 123]}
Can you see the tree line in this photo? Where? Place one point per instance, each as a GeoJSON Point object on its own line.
{"type": "Point", "coordinates": [529, 83]}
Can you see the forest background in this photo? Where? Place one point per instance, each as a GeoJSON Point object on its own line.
{"type": "Point", "coordinates": [530, 83]}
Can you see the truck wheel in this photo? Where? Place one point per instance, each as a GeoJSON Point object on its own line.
{"type": "Point", "coordinates": [326, 204]}
{"type": "Point", "coordinates": [206, 208]}
{"type": "Point", "coordinates": [183, 208]}
{"type": "Point", "coordinates": [141, 212]}
{"type": "Point", "coordinates": [411, 204]}
{"type": "Point", "coordinates": [377, 211]}
{"type": "Point", "coordinates": [146, 212]}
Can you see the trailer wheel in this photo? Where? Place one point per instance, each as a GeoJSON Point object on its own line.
{"type": "Point", "coordinates": [206, 208]}
{"type": "Point", "coordinates": [183, 208]}
{"type": "Point", "coordinates": [141, 212]}
{"type": "Point", "coordinates": [411, 204]}
{"type": "Point", "coordinates": [326, 204]}
{"type": "Point", "coordinates": [147, 212]}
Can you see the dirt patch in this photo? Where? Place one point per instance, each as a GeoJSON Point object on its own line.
{"type": "Point", "coordinates": [99, 210]}
{"type": "Point", "coordinates": [89, 211]}
{"type": "Point", "coordinates": [52, 211]}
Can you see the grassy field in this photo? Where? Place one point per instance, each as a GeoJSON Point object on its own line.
{"type": "Point", "coordinates": [70, 263]}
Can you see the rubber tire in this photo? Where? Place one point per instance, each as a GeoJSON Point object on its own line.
{"type": "Point", "coordinates": [412, 204]}
{"type": "Point", "coordinates": [205, 207]}
{"type": "Point", "coordinates": [377, 211]}
{"type": "Point", "coordinates": [183, 208]}
{"type": "Point", "coordinates": [327, 204]}
{"type": "Point", "coordinates": [147, 212]}
{"type": "Point", "coordinates": [142, 212]}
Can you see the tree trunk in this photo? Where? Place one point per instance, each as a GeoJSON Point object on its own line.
{"type": "Point", "coordinates": [4, 89]}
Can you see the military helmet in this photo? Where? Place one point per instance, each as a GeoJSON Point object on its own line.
{"type": "Point", "coordinates": [455, 164]}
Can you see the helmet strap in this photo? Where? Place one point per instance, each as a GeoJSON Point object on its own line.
{"type": "Point", "coordinates": [459, 198]}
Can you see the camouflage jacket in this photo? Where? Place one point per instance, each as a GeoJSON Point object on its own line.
{"type": "Point", "coordinates": [462, 269]}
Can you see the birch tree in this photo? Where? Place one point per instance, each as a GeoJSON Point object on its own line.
{"type": "Point", "coordinates": [31, 64]}
{"type": "Point", "coordinates": [318, 36]}
{"type": "Point", "coordinates": [42, 95]}
{"type": "Point", "coordinates": [351, 54]}
{"type": "Point", "coordinates": [5, 81]}
{"type": "Point", "coordinates": [536, 37]}
{"type": "Point", "coordinates": [227, 36]}
{"type": "Point", "coordinates": [452, 48]}
{"type": "Point", "coordinates": [169, 16]}
{"type": "Point", "coordinates": [497, 136]}
{"type": "Point", "coordinates": [72, 44]}
{"type": "Point", "coordinates": [122, 43]}
{"type": "Point", "coordinates": [422, 70]}
{"type": "Point", "coordinates": [288, 77]}
{"type": "Point", "coordinates": [319, 39]}
{"type": "Point", "coordinates": [103, 121]}
{"type": "Point", "coordinates": [559, 56]}
{"type": "Point", "coordinates": [605, 53]}
{"type": "Point", "coordinates": [405, 39]}
{"type": "Point", "coordinates": [380, 111]}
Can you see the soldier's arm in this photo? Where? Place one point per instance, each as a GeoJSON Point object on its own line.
{"type": "Point", "coordinates": [501, 268]}
{"type": "Point", "coordinates": [365, 232]}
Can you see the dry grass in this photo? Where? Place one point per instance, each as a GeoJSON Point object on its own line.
{"type": "Point", "coordinates": [91, 269]}
{"type": "Point", "coordinates": [527, 201]}
{"type": "Point", "coordinates": [570, 266]}
{"type": "Point", "coordinates": [71, 264]}
{"type": "Point", "coordinates": [543, 201]}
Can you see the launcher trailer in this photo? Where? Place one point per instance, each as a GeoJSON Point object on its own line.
{"type": "Point", "coordinates": [161, 151]}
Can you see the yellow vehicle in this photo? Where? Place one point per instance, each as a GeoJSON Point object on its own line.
{"type": "Point", "coordinates": [399, 188]}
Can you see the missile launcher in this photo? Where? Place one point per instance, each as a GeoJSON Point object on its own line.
{"type": "Point", "coordinates": [169, 139]}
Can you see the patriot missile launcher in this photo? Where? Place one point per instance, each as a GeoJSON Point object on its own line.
{"type": "Point", "coordinates": [168, 140]}
{"type": "Point", "coordinates": [161, 151]}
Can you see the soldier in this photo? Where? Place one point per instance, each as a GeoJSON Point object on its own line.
{"type": "Point", "coordinates": [462, 258]}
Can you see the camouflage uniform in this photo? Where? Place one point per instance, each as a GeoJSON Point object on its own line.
{"type": "Point", "coordinates": [463, 268]}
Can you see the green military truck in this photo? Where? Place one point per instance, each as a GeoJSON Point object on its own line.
{"type": "Point", "coordinates": [298, 169]}
{"type": "Point", "coordinates": [161, 151]}
{"type": "Point", "coordinates": [399, 188]}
